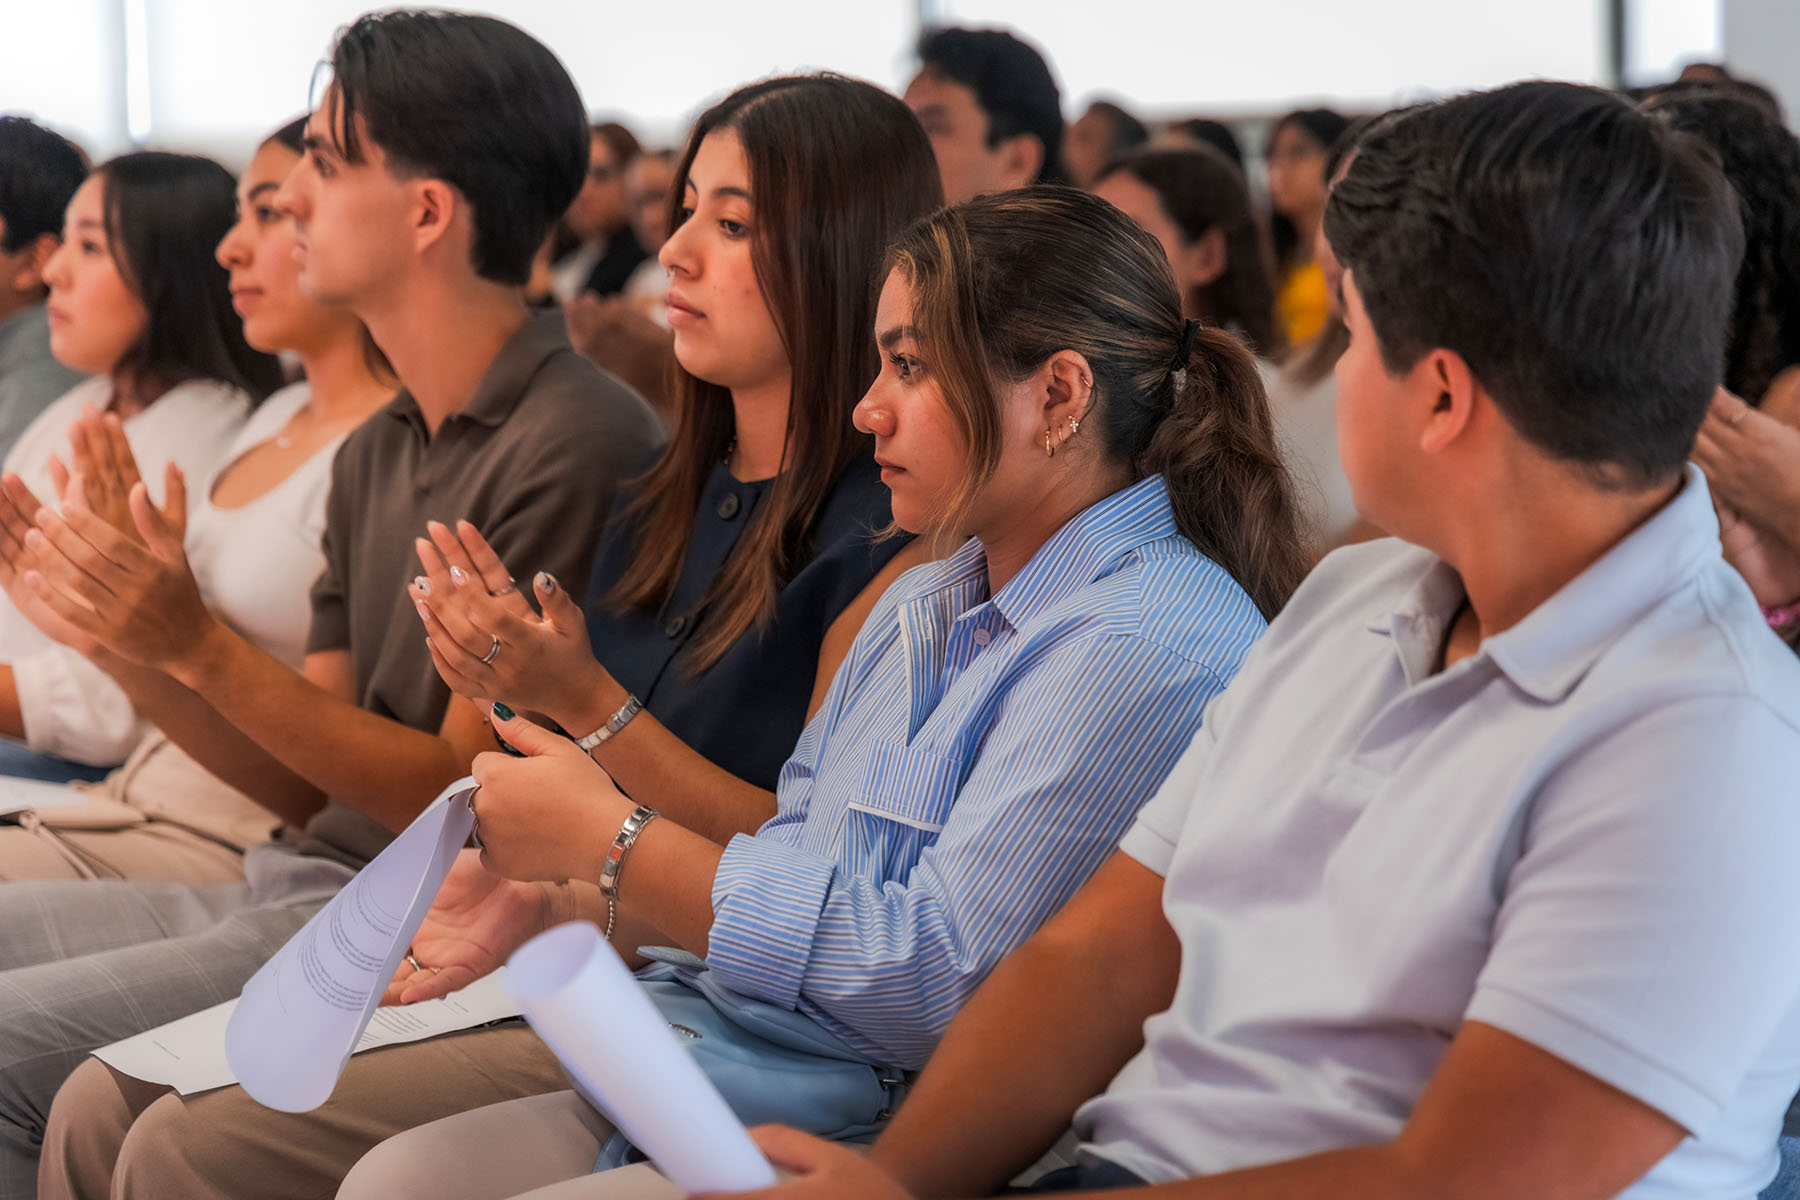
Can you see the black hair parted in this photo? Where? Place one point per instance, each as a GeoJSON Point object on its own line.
{"type": "Point", "coordinates": [1011, 82]}
{"type": "Point", "coordinates": [39, 173]}
{"type": "Point", "coordinates": [473, 101]}
{"type": "Point", "coordinates": [1578, 254]}
{"type": "Point", "coordinates": [165, 214]}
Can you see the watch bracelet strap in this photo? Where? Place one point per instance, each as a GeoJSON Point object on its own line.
{"type": "Point", "coordinates": [619, 720]}
{"type": "Point", "coordinates": [615, 861]}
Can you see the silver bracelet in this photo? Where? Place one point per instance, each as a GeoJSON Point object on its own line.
{"type": "Point", "coordinates": [619, 720]}
{"type": "Point", "coordinates": [615, 862]}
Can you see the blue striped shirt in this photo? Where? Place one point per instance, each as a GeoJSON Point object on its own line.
{"type": "Point", "coordinates": [976, 758]}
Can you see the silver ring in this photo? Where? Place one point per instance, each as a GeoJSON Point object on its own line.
{"type": "Point", "coordinates": [512, 585]}
{"type": "Point", "coordinates": [416, 964]}
{"type": "Point", "coordinates": [475, 831]}
{"type": "Point", "coordinates": [487, 660]}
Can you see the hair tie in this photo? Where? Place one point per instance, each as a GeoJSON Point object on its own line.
{"type": "Point", "coordinates": [1185, 350]}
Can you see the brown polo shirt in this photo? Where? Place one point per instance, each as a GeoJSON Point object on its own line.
{"type": "Point", "coordinates": [531, 460]}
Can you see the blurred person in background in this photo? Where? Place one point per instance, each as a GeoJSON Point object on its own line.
{"type": "Point", "coordinates": [1098, 136]}
{"type": "Point", "coordinates": [606, 251]}
{"type": "Point", "coordinates": [1294, 158]}
{"type": "Point", "coordinates": [1204, 131]}
{"type": "Point", "coordinates": [992, 110]}
{"type": "Point", "coordinates": [39, 172]}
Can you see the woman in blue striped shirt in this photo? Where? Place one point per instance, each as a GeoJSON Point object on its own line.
{"type": "Point", "coordinates": [1003, 713]}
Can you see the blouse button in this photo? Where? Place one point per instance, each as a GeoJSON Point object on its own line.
{"type": "Point", "coordinates": [982, 637]}
{"type": "Point", "coordinates": [728, 507]}
{"type": "Point", "coordinates": [675, 626]}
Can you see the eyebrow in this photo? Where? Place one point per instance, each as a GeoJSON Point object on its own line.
{"type": "Point", "coordinates": [90, 223]}
{"type": "Point", "coordinates": [893, 337]}
{"type": "Point", "coordinates": [260, 188]}
{"type": "Point", "coordinates": [315, 144]}
{"type": "Point", "coordinates": [718, 192]}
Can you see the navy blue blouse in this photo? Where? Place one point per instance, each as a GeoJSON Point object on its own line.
{"type": "Point", "coordinates": [745, 713]}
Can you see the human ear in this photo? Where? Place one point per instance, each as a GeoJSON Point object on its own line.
{"type": "Point", "coordinates": [1446, 384]}
{"type": "Point", "coordinates": [1067, 383]}
{"type": "Point", "coordinates": [29, 277]}
{"type": "Point", "coordinates": [435, 207]}
{"type": "Point", "coordinates": [1021, 158]}
{"type": "Point", "coordinates": [1204, 259]}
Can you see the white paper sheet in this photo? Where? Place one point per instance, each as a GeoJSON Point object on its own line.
{"type": "Point", "coordinates": [17, 795]}
{"type": "Point", "coordinates": [582, 1001]}
{"type": "Point", "coordinates": [189, 1054]}
{"type": "Point", "coordinates": [301, 1016]}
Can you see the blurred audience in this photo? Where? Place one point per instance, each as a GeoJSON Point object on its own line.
{"type": "Point", "coordinates": [1204, 131]}
{"type": "Point", "coordinates": [606, 250]}
{"type": "Point", "coordinates": [1098, 136]}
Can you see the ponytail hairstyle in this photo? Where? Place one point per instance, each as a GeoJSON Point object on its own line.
{"type": "Point", "coordinates": [1004, 282]}
{"type": "Point", "coordinates": [837, 168]}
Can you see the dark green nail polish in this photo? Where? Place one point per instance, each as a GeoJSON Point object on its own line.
{"type": "Point", "coordinates": [503, 712]}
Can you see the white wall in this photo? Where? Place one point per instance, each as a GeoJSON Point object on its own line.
{"type": "Point", "coordinates": [1762, 42]}
{"type": "Point", "coordinates": [215, 75]}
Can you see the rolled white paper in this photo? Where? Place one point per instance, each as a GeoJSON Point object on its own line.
{"type": "Point", "coordinates": [582, 1001]}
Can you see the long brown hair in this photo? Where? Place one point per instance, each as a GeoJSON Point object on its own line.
{"type": "Point", "coordinates": [837, 167]}
{"type": "Point", "coordinates": [1201, 190]}
{"type": "Point", "coordinates": [1005, 281]}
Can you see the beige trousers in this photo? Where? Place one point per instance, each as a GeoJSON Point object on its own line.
{"type": "Point", "coordinates": [112, 1136]}
{"type": "Point", "coordinates": [541, 1148]}
{"type": "Point", "coordinates": [154, 850]}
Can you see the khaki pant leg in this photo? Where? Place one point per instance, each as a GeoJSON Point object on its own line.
{"type": "Point", "coordinates": [491, 1153]}
{"type": "Point", "coordinates": [640, 1181]}
{"type": "Point", "coordinates": [224, 1144]}
{"type": "Point", "coordinates": [153, 852]}
{"type": "Point", "coordinates": [26, 854]}
{"type": "Point", "coordinates": [88, 1123]}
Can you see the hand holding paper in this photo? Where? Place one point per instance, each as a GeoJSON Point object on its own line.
{"type": "Point", "coordinates": [581, 1000]}
{"type": "Point", "coordinates": [474, 925]}
{"type": "Point", "coordinates": [300, 1017]}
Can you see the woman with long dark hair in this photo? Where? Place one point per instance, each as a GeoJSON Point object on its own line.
{"type": "Point", "coordinates": [1196, 204]}
{"type": "Point", "coordinates": [138, 301]}
{"type": "Point", "coordinates": [1295, 160]}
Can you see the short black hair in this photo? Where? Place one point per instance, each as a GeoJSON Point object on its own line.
{"type": "Point", "coordinates": [39, 172]}
{"type": "Point", "coordinates": [1126, 131]}
{"type": "Point", "coordinates": [473, 101]}
{"type": "Point", "coordinates": [165, 215]}
{"type": "Point", "coordinates": [1213, 133]}
{"type": "Point", "coordinates": [1011, 82]}
{"type": "Point", "coordinates": [1577, 253]}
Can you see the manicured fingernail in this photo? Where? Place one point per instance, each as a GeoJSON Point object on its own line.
{"type": "Point", "coordinates": [546, 582]}
{"type": "Point", "coordinates": [420, 605]}
{"type": "Point", "coordinates": [422, 584]}
{"type": "Point", "coordinates": [457, 577]}
{"type": "Point", "coordinates": [503, 712]}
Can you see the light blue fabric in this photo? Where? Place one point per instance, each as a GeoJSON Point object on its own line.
{"type": "Point", "coordinates": [1583, 835]}
{"type": "Point", "coordinates": [20, 761]}
{"type": "Point", "coordinates": [975, 759]}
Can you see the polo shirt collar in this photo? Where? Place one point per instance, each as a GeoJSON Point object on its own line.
{"type": "Point", "coordinates": [504, 384]}
{"type": "Point", "coordinates": [1549, 652]}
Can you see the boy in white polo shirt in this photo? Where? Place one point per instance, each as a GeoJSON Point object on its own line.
{"type": "Point", "coordinates": [1479, 880]}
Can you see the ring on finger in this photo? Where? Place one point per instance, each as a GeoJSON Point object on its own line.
{"type": "Point", "coordinates": [1737, 418]}
{"type": "Point", "coordinates": [487, 660]}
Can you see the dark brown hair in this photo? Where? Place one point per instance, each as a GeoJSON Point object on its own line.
{"type": "Point", "coordinates": [1002, 283]}
{"type": "Point", "coordinates": [1201, 190]}
{"type": "Point", "coordinates": [837, 168]}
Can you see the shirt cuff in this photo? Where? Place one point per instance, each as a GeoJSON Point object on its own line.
{"type": "Point", "coordinates": [74, 710]}
{"type": "Point", "coordinates": [1149, 847]}
{"type": "Point", "coordinates": [767, 898]}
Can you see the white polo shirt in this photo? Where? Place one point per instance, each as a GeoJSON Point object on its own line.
{"type": "Point", "coordinates": [1587, 834]}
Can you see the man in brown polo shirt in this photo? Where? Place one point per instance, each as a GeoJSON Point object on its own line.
{"type": "Point", "coordinates": [446, 145]}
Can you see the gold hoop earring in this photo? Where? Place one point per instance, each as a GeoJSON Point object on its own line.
{"type": "Point", "coordinates": [1049, 450]}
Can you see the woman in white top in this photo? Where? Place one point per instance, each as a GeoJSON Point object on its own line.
{"type": "Point", "coordinates": [137, 301]}
{"type": "Point", "coordinates": [253, 541]}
